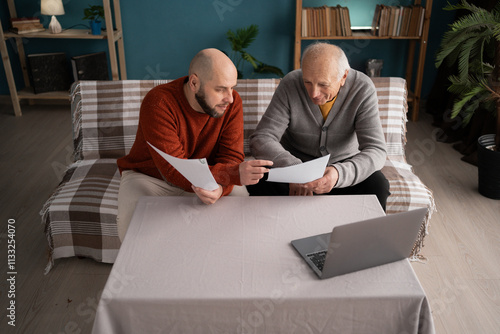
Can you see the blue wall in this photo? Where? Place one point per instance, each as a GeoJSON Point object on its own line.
{"type": "Point", "coordinates": [161, 37]}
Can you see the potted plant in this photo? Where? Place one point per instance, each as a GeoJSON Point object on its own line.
{"type": "Point", "coordinates": [94, 14]}
{"type": "Point", "coordinates": [242, 40]}
{"type": "Point", "coordinates": [470, 42]}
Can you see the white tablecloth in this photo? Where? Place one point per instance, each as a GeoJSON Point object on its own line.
{"type": "Point", "coordinates": [186, 267]}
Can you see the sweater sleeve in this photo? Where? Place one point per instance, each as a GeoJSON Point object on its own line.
{"type": "Point", "coordinates": [159, 125]}
{"type": "Point", "coordinates": [265, 141]}
{"type": "Point", "coordinates": [372, 147]}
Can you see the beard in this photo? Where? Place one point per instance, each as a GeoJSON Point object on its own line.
{"type": "Point", "coordinates": [202, 101]}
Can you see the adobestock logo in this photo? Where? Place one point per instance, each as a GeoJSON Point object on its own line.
{"type": "Point", "coordinates": [221, 7]}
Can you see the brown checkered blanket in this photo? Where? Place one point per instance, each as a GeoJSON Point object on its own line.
{"type": "Point", "coordinates": [80, 216]}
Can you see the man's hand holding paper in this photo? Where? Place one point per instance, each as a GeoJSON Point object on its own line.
{"type": "Point", "coordinates": [320, 186]}
{"type": "Point", "coordinates": [301, 173]}
{"type": "Point", "coordinates": [325, 184]}
{"type": "Point", "coordinates": [195, 170]}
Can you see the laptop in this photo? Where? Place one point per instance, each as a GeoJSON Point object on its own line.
{"type": "Point", "coordinates": [361, 245]}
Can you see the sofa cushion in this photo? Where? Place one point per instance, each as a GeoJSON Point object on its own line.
{"type": "Point", "coordinates": [256, 95]}
{"type": "Point", "coordinates": [80, 216]}
{"type": "Point", "coordinates": [105, 116]}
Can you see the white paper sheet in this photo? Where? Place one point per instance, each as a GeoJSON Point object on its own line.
{"type": "Point", "coordinates": [195, 170]}
{"type": "Point", "coordinates": [301, 173]}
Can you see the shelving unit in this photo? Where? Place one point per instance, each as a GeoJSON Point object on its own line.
{"type": "Point", "coordinates": [414, 90]}
{"type": "Point", "coordinates": [113, 40]}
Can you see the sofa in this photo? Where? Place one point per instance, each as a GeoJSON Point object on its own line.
{"type": "Point", "coordinates": [80, 216]}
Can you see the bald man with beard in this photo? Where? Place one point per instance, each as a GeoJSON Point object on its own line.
{"type": "Point", "coordinates": [193, 117]}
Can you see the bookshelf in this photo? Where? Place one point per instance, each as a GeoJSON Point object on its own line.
{"type": "Point", "coordinates": [414, 54]}
{"type": "Point", "coordinates": [114, 38]}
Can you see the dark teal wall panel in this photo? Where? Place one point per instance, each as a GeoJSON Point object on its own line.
{"type": "Point", "coordinates": [162, 36]}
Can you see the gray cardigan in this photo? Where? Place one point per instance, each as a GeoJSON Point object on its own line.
{"type": "Point", "coordinates": [292, 129]}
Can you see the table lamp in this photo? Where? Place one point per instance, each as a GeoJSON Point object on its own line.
{"type": "Point", "coordinates": [53, 7]}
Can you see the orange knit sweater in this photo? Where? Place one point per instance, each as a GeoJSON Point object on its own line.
{"type": "Point", "coordinates": [169, 123]}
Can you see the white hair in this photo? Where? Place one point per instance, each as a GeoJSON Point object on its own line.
{"type": "Point", "coordinates": [321, 49]}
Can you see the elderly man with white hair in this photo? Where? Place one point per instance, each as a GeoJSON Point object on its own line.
{"type": "Point", "coordinates": [324, 108]}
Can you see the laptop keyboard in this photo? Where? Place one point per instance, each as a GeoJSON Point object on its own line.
{"type": "Point", "coordinates": [318, 258]}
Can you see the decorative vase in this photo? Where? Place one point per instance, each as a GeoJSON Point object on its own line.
{"type": "Point", "coordinates": [95, 27]}
{"type": "Point", "coordinates": [488, 166]}
{"type": "Point", "coordinates": [54, 26]}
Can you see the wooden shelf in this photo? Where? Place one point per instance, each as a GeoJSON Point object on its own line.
{"type": "Point", "coordinates": [416, 87]}
{"type": "Point", "coordinates": [360, 35]}
{"type": "Point", "coordinates": [28, 94]}
{"type": "Point", "coordinates": [68, 34]}
{"type": "Point", "coordinates": [114, 41]}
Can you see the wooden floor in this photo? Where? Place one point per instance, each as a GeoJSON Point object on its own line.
{"type": "Point", "coordinates": [461, 277]}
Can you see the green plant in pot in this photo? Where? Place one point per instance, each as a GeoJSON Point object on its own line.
{"type": "Point", "coordinates": [94, 14]}
{"type": "Point", "coordinates": [471, 41]}
{"type": "Point", "coordinates": [240, 41]}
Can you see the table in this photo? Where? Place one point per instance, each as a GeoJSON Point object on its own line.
{"type": "Point", "coordinates": [186, 267]}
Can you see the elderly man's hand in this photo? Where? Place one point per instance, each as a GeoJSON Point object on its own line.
{"type": "Point", "coordinates": [297, 189]}
{"type": "Point", "coordinates": [253, 170]}
{"type": "Point", "coordinates": [325, 184]}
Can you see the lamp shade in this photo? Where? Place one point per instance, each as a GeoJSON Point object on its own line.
{"type": "Point", "coordinates": [52, 7]}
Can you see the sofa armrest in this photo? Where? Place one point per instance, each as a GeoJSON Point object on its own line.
{"type": "Point", "coordinates": [393, 108]}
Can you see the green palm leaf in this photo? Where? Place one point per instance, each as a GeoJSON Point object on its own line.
{"type": "Point", "coordinates": [469, 37]}
{"type": "Point", "coordinates": [240, 41]}
{"type": "Point", "coordinates": [248, 57]}
{"type": "Point", "coordinates": [470, 40]}
{"type": "Point", "coordinates": [264, 68]}
{"type": "Point", "coordinates": [242, 38]}
{"type": "Point", "coordinates": [248, 35]}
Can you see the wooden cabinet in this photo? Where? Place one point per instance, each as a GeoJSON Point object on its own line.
{"type": "Point", "coordinates": [114, 38]}
{"type": "Point", "coordinates": [414, 87]}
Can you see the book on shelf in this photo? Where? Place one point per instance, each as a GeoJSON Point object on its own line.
{"type": "Point", "coordinates": [15, 21]}
{"type": "Point", "coordinates": [376, 20]}
{"type": "Point", "coordinates": [398, 21]}
{"type": "Point", "coordinates": [27, 29]}
{"type": "Point", "coordinates": [325, 21]}
{"type": "Point", "coordinates": [416, 21]}
{"type": "Point", "coordinates": [92, 66]}
{"type": "Point", "coordinates": [24, 25]}
{"type": "Point", "coordinates": [347, 19]}
{"type": "Point", "coordinates": [49, 72]}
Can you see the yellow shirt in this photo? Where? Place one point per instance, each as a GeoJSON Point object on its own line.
{"type": "Point", "coordinates": [325, 108]}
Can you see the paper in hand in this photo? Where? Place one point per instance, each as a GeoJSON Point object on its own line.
{"type": "Point", "coordinates": [195, 171]}
{"type": "Point", "coordinates": [301, 173]}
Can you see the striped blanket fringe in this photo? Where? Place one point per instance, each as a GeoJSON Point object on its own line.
{"type": "Point", "coordinates": [416, 255]}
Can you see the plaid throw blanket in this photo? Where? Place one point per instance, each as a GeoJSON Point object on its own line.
{"type": "Point", "coordinates": [80, 216]}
